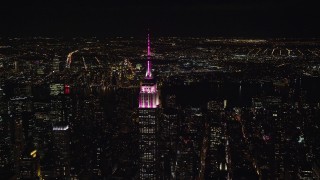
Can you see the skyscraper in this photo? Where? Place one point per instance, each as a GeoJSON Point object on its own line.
{"type": "Point", "coordinates": [18, 107]}
{"type": "Point", "coordinates": [61, 150]}
{"type": "Point", "coordinates": [30, 163]}
{"type": "Point", "coordinates": [148, 123]}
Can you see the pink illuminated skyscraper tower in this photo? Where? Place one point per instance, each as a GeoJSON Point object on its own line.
{"type": "Point", "coordinates": [149, 96]}
{"type": "Point", "coordinates": [148, 123]}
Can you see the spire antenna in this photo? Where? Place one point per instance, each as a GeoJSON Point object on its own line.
{"type": "Point", "coordinates": [149, 64]}
{"type": "Point", "coordinates": [149, 52]}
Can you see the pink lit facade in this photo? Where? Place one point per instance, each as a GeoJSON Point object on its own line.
{"type": "Point", "coordinates": [149, 95]}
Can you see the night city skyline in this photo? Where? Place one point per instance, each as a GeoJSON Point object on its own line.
{"type": "Point", "coordinates": [159, 90]}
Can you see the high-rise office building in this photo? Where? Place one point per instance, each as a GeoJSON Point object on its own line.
{"type": "Point", "coordinates": [216, 167]}
{"type": "Point", "coordinates": [30, 164]}
{"type": "Point", "coordinates": [56, 64]}
{"type": "Point", "coordinates": [168, 138]}
{"type": "Point", "coordinates": [190, 143]}
{"type": "Point", "coordinates": [61, 150]}
{"type": "Point", "coordinates": [148, 123]}
{"type": "Point", "coordinates": [5, 141]}
{"type": "Point", "coordinates": [18, 107]}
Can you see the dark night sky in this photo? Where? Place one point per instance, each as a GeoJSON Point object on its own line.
{"type": "Point", "coordinates": [229, 18]}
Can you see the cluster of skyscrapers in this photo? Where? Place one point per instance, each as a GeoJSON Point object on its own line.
{"type": "Point", "coordinates": [201, 110]}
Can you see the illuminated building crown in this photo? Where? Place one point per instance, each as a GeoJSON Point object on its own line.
{"type": "Point", "coordinates": [149, 96]}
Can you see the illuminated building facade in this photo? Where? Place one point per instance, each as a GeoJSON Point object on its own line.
{"type": "Point", "coordinates": [149, 96]}
{"type": "Point", "coordinates": [56, 64]}
{"type": "Point", "coordinates": [6, 157]}
{"type": "Point", "coordinates": [30, 164]}
{"type": "Point", "coordinates": [216, 167]}
{"type": "Point", "coordinates": [18, 108]}
{"type": "Point", "coordinates": [62, 150]}
{"type": "Point", "coordinates": [148, 124]}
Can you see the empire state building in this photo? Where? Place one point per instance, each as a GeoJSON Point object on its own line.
{"type": "Point", "coordinates": [148, 123]}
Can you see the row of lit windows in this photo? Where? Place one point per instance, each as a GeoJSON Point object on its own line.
{"type": "Point", "coordinates": [146, 137]}
{"type": "Point", "coordinates": [147, 130]}
{"type": "Point", "coordinates": [148, 116]}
